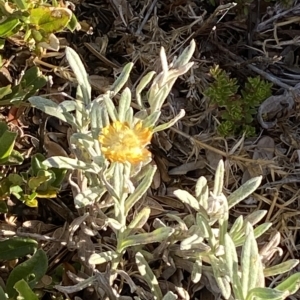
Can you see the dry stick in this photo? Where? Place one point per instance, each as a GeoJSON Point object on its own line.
{"type": "Point", "coordinates": [101, 57]}
{"type": "Point", "coordinates": [269, 22]}
{"type": "Point", "coordinates": [220, 152]}
{"type": "Point", "coordinates": [138, 32]}
{"type": "Point", "coordinates": [264, 74]}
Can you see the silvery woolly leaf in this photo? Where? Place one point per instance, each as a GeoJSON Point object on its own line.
{"type": "Point", "coordinates": [111, 109]}
{"type": "Point", "coordinates": [152, 119]}
{"type": "Point", "coordinates": [255, 217]}
{"type": "Point", "coordinates": [158, 235]}
{"type": "Point", "coordinates": [100, 258]}
{"type": "Point", "coordinates": [84, 87]}
{"type": "Point", "coordinates": [222, 281]}
{"type": "Point", "coordinates": [61, 162]}
{"type": "Point", "coordinates": [219, 179]}
{"type": "Point", "coordinates": [170, 296]}
{"type": "Point", "coordinates": [122, 79]}
{"type": "Point", "coordinates": [232, 266]}
{"type": "Point", "coordinates": [263, 293]}
{"type": "Point", "coordinates": [186, 55]}
{"type": "Point", "coordinates": [197, 271]}
{"type": "Point", "coordinates": [124, 104]}
{"type": "Point", "coordinates": [250, 263]}
{"type": "Point", "coordinates": [139, 220]}
{"type": "Point", "coordinates": [143, 83]}
{"type": "Point", "coordinates": [194, 240]}
{"type": "Point", "coordinates": [281, 268]}
{"type": "Point", "coordinates": [67, 106]}
{"type": "Point", "coordinates": [140, 190]}
{"type": "Point", "coordinates": [51, 108]}
{"type": "Point", "coordinates": [244, 191]}
{"type": "Point", "coordinates": [99, 117]}
{"type": "Point", "coordinates": [148, 276]}
{"type": "Point", "coordinates": [236, 229]}
{"type": "Point", "coordinates": [170, 123]}
{"type": "Point", "coordinates": [202, 192]}
{"type": "Point", "coordinates": [187, 198]}
{"type": "Point", "coordinates": [258, 231]}
{"type": "Point", "coordinates": [89, 196]}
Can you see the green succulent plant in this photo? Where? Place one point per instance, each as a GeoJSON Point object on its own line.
{"type": "Point", "coordinates": [236, 107]}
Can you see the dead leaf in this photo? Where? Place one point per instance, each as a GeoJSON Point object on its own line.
{"type": "Point", "coordinates": [191, 166]}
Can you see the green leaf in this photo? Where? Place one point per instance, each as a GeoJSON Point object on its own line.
{"type": "Point", "coordinates": [36, 163]}
{"type": "Point", "coordinates": [15, 158]}
{"type": "Point", "coordinates": [22, 4]}
{"type": "Point", "coordinates": [103, 257]}
{"type": "Point", "coordinates": [73, 23]}
{"type": "Point", "coordinates": [50, 19]}
{"type": "Point", "coordinates": [148, 276]}
{"type": "Point", "coordinates": [2, 294]}
{"type": "Point", "coordinates": [31, 271]}
{"type": "Point", "coordinates": [33, 80]}
{"type": "Point", "coordinates": [155, 236]}
{"type": "Point", "coordinates": [7, 141]}
{"type": "Point", "coordinates": [244, 191]}
{"type": "Point", "coordinates": [239, 239]}
{"type": "Point", "coordinates": [24, 290]}
{"type": "Point", "coordinates": [7, 26]}
{"type": "Point", "coordinates": [281, 268]}
{"type": "Point", "coordinates": [264, 293]}
{"type": "Point", "coordinates": [3, 207]}
{"type": "Point", "coordinates": [291, 285]}
{"type": "Point", "coordinates": [17, 247]}
{"type": "Point", "coordinates": [4, 91]}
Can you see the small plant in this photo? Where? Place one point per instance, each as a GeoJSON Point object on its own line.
{"type": "Point", "coordinates": [38, 182]}
{"type": "Point", "coordinates": [112, 168]}
{"type": "Point", "coordinates": [35, 22]}
{"type": "Point", "coordinates": [109, 143]}
{"type": "Point", "coordinates": [31, 82]}
{"type": "Point", "coordinates": [211, 243]}
{"type": "Point", "coordinates": [24, 277]}
{"type": "Point", "coordinates": [236, 109]}
{"type": "Point", "coordinates": [8, 156]}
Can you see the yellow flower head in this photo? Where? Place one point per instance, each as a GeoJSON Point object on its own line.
{"type": "Point", "coordinates": [121, 143]}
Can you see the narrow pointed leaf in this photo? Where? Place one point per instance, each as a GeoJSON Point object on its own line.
{"type": "Point", "coordinates": [103, 257]}
{"type": "Point", "coordinates": [281, 268]}
{"type": "Point", "coordinates": [244, 191]}
{"type": "Point", "coordinates": [158, 235]}
{"type": "Point", "coordinates": [291, 285]}
{"type": "Point", "coordinates": [249, 261]}
{"type": "Point", "coordinates": [148, 276]}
